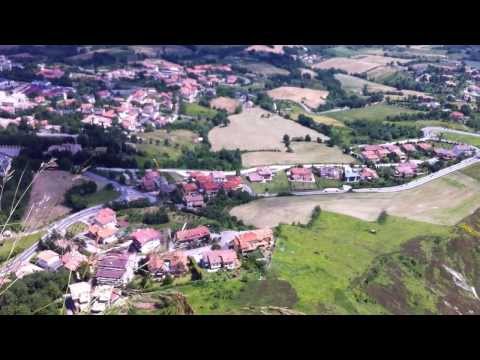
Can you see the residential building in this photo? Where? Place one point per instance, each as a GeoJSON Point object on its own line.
{"type": "Point", "coordinates": [49, 260]}
{"type": "Point", "coordinates": [368, 174]}
{"type": "Point", "coordinates": [150, 181]}
{"type": "Point", "coordinates": [218, 259]}
{"type": "Point", "coordinates": [173, 263]}
{"type": "Point", "coordinates": [301, 174]}
{"type": "Point", "coordinates": [115, 269]}
{"type": "Point", "coordinates": [103, 235]}
{"type": "Point", "coordinates": [406, 170]}
{"type": "Point", "coordinates": [193, 200]}
{"type": "Point", "coordinates": [463, 150]}
{"type": "Point", "coordinates": [192, 238]}
{"type": "Point", "coordinates": [457, 116]}
{"type": "Point", "coordinates": [106, 217]}
{"type": "Point", "coordinates": [351, 175]}
{"type": "Point", "coordinates": [249, 241]}
{"type": "Point", "coordinates": [81, 294]}
{"type": "Point", "coordinates": [329, 172]}
{"type": "Point", "coordinates": [146, 240]}
{"type": "Point", "coordinates": [424, 146]}
{"type": "Point", "coordinates": [73, 259]}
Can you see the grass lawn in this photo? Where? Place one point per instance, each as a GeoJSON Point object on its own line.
{"type": "Point", "coordinates": [472, 171]}
{"type": "Point", "coordinates": [424, 123]}
{"type": "Point", "coordinates": [101, 197]}
{"type": "Point", "coordinates": [377, 112]}
{"type": "Point", "coordinates": [21, 244]}
{"type": "Point", "coordinates": [321, 262]}
{"type": "Point", "coordinates": [467, 139]}
{"type": "Point", "coordinates": [278, 184]}
{"type": "Point", "coordinates": [77, 228]}
{"type": "Point", "coordinates": [194, 109]}
{"type": "Point", "coordinates": [169, 145]}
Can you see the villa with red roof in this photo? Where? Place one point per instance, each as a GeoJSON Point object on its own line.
{"type": "Point", "coordinates": [301, 174]}
{"type": "Point", "coordinates": [249, 241]}
{"type": "Point", "coordinates": [192, 238]}
{"type": "Point", "coordinates": [146, 240]}
{"type": "Point", "coordinates": [106, 217]}
{"type": "Point", "coordinates": [409, 148]}
{"type": "Point", "coordinates": [194, 200]}
{"type": "Point", "coordinates": [172, 263]}
{"type": "Point", "coordinates": [368, 174]}
{"type": "Point", "coordinates": [73, 259]}
{"type": "Point", "coordinates": [218, 259]}
{"type": "Point", "coordinates": [424, 146]}
{"type": "Point", "coordinates": [406, 170]}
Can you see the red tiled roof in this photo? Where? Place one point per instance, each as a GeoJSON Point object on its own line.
{"type": "Point", "coordinates": [143, 236]}
{"type": "Point", "coordinates": [192, 234]}
{"type": "Point", "coordinates": [73, 259]}
{"type": "Point", "coordinates": [301, 171]}
{"type": "Point", "coordinates": [105, 216]}
{"type": "Point", "coordinates": [189, 187]}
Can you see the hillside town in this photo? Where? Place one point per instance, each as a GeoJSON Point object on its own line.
{"type": "Point", "coordinates": [205, 173]}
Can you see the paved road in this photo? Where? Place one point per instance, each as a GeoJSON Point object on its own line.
{"type": "Point", "coordinates": [60, 225]}
{"type": "Point", "coordinates": [126, 192]}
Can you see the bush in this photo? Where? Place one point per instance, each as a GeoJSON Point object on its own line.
{"type": "Point", "coordinates": [382, 218]}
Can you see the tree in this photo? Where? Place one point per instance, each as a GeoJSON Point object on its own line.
{"type": "Point", "coordinates": [286, 140]}
{"type": "Point", "coordinates": [308, 138]}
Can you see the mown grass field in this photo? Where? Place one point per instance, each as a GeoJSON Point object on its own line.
{"type": "Point", "coordinates": [278, 184]}
{"type": "Point", "coordinates": [321, 262]}
{"type": "Point", "coordinates": [377, 112]}
{"type": "Point", "coordinates": [467, 139]}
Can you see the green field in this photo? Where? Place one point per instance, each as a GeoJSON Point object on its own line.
{"type": "Point", "coordinates": [195, 110]}
{"type": "Point", "coordinates": [472, 171]}
{"type": "Point", "coordinates": [100, 197]}
{"type": "Point", "coordinates": [278, 184]}
{"type": "Point", "coordinates": [294, 110]}
{"type": "Point", "coordinates": [467, 139]}
{"type": "Point", "coordinates": [165, 145]}
{"type": "Point", "coordinates": [424, 123]}
{"type": "Point", "coordinates": [321, 262]}
{"type": "Point", "coordinates": [18, 246]}
{"type": "Point", "coordinates": [377, 112]}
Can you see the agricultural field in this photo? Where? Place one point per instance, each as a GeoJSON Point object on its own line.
{"type": "Point", "coordinates": [274, 49]}
{"type": "Point", "coordinates": [358, 64]}
{"type": "Point", "coordinates": [224, 103]}
{"type": "Point", "coordinates": [172, 149]}
{"type": "Point", "coordinates": [303, 153]}
{"type": "Point", "coordinates": [355, 84]}
{"type": "Point", "coordinates": [377, 112]}
{"type": "Point", "coordinates": [444, 201]}
{"type": "Point", "coordinates": [321, 261]}
{"type": "Point", "coordinates": [467, 139]}
{"type": "Point", "coordinates": [309, 97]}
{"type": "Point", "coordinates": [261, 68]}
{"type": "Point", "coordinates": [195, 110]}
{"type": "Point", "coordinates": [381, 72]}
{"type": "Point", "coordinates": [294, 110]}
{"type": "Point", "coordinates": [257, 129]}
{"type": "Point", "coordinates": [47, 197]}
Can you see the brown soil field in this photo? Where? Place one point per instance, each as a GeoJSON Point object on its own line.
{"type": "Point", "coordinates": [47, 197]}
{"type": "Point", "coordinates": [224, 103]}
{"type": "Point", "coordinates": [257, 129]}
{"type": "Point", "coordinates": [304, 152]}
{"type": "Point", "coordinates": [310, 97]}
{"type": "Point", "coordinates": [444, 201]}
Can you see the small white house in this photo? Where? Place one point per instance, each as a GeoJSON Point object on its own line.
{"type": "Point", "coordinates": [49, 260]}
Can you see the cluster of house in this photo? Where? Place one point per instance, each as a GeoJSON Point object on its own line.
{"type": "Point", "coordinates": [115, 266]}
{"type": "Point", "coordinates": [200, 185]}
